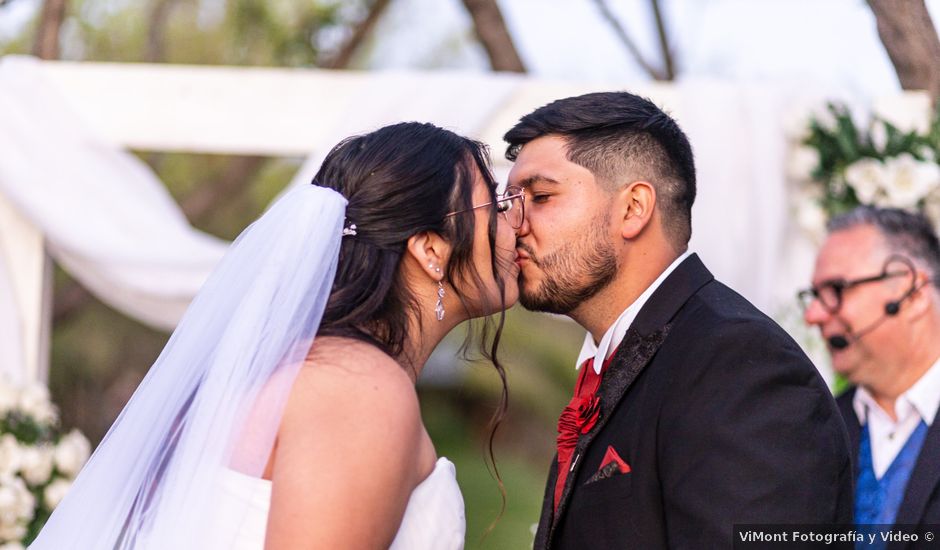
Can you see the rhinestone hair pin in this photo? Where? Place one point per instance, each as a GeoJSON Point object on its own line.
{"type": "Point", "coordinates": [349, 230]}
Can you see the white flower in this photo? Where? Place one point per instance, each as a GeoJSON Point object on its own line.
{"type": "Point", "coordinates": [36, 464]}
{"type": "Point", "coordinates": [55, 492]}
{"type": "Point", "coordinates": [10, 455]}
{"type": "Point", "coordinates": [910, 180]}
{"type": "Point", "coordinates": [879, 136]}
{"type": "Point", "coordinates": [803, 160]}
{"type": "Point", "coordinates": [17, 507]}
{"type": "Point", "coordinates": [825, 118]}
{"type": "Point", "coordinates": [12, 545]}
{"type": "Point", "coordinates": [34, 401]}
{"type": "Point", "coordinates": [867, 177]}
{"type": "Point", "coordinates": [71, 453]}
{"type": "Point", "coordinates": [12, 531]}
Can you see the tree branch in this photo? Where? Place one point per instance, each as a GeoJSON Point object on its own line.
{"type": "Point", "coordinates": [491, 30]}
{"type": "Point", "coordinates": [343, 57]}
{"type": "Point", "coordinates": [156, 32]}
{"type": "Point", "coordinates": [663, 41]}
{"type": "Point", "coordinates": [625, 39]}
{"type": "Point", "coordinates": [910, 38]}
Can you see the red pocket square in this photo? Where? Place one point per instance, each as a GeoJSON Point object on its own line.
{"type": "Point", "coordinates": [611, 457]}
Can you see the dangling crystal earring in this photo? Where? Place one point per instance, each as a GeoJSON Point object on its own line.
{"type": "Point", "coordinates": [439, 308]}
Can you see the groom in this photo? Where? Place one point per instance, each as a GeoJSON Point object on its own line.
{"type": "Point", "coordinates": [692, 411]}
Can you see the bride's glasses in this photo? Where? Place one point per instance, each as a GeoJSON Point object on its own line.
{"type": "Point", "coordinates": [511, 204]}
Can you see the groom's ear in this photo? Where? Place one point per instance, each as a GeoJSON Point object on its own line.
{"type": "Point", "coordinates": [637, 201]}
{"type": "Point", "coordinates": [430, 252]}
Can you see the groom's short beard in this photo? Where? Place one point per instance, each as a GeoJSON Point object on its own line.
{"type": "Point", "coordinates": [574, 273]}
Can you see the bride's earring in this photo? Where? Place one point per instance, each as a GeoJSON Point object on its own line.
{"type": "Point", "coordinates": [439, 308]}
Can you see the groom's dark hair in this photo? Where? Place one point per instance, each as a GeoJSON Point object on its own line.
{"type": "Point", "coordinates": [617, 135]}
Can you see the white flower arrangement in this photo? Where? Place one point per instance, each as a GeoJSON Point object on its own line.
{"type": "Point", "coordinates": [891, 162]}
{"type": "Point", "coordinates": [37, 461]}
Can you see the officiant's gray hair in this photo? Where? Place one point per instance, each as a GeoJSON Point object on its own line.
{"type": "Point", "coordinates": [908, 233]}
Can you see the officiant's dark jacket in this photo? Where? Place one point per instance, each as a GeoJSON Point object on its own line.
{"type": "Point", "coordinates": [722, 420]}
{"type": "Point", "coordinates": [921, 502]}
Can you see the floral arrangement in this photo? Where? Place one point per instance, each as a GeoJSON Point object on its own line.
{"type": "Point", "coordinates": [37, 461]}
{"type": "Point", "coordinates": [890, 161]}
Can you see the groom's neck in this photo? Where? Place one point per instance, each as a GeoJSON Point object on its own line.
{"type": "Point", "coordinates": [637, 270]}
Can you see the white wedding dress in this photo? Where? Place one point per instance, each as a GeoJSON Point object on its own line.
{"type": "Point", "coordinates": [434, 517]}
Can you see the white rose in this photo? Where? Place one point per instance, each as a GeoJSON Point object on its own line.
{"type": "Point", "coordinates": [55, 492]}
{"type": "Point", "coordinates": [34, 401]}
{"type": "Point", "coordinates": [71, 453]}
{"type": "Point", "coordinates": [17, 507]}
{"type": "Point", "coordinates": [10, 455]}
{"type": "Point", "coordinates": [13, 545]}
{"type": "Point", "coordinates": [879, 136]}
{"type": "Point", "coordinates": [910, 180]}
{"type": "Point", "coordinates": [867, 177]}
{"type": "Point", "coordinates": [36, 464]}
{"type": "Point", "coordinates": [12, 531]}
{"type": "Point", "coordinates": [803, 160]}
{"type": "Point", "coordinates": [825, 118]}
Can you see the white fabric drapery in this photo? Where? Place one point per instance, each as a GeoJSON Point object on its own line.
{"type": "Point", "coordinates": [110, 222]}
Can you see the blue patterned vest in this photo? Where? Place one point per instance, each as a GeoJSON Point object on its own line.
{"type": "Point", "coordinates": [877, 500]}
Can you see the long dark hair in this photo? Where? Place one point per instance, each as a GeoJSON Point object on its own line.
{"type": "Point", "coordinates": [401, 180]}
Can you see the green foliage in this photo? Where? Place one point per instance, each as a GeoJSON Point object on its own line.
{"type": "Point", "coordinates": [841, 143]}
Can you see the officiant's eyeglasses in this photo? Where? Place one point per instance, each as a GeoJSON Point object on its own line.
{"type": "Point", "coordinates": [511, 204]}
{"type": "Point", "coordinates": [829, 293]}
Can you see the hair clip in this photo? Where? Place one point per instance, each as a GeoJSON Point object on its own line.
{"type": "Point", "coordinates": [349, 230]}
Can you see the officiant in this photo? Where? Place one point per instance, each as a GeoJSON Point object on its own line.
{"type": "Point", "coordinates": [875, 301]}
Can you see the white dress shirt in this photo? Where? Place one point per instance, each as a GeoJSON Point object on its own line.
{"type": "Point", "coordinates": [618, 330]}
{"type": "Point", "coordinates": [888, 437]}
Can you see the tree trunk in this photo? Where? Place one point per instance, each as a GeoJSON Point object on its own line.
{"type": "Point", "coordinates": [909, 36]}
{"type": "Point", "coordinates": [493, 34]}
{"type": "Point", "coordinates": [156, 33]}
{"type": "Point", "coordinates": [47, 34]}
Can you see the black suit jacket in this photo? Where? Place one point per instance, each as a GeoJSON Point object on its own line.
{"type": "Point", "coordinates": [722, 419]}
{"type": "Point", "coordinates": [921, 502]}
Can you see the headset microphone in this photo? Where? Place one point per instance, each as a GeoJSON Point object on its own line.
{"type": "Point", "coordinates": [842, 341]}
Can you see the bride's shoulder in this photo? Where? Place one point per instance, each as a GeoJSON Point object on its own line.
{"type": "Point", "coordinates": [355, 379]}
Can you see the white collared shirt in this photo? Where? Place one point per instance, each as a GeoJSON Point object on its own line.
{"type": "Point", "coordinates": [618, 330]}
{"type": "Point", "coordinates": [888, 437]}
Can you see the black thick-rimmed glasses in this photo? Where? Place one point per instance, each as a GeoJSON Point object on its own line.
{"type": "Point", "coordinates": [829, 293]}
{"type": "Point", "coordinates": [511, 204]}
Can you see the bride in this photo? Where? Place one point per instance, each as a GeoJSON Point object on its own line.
{"type": "Point", "coordinates": [250, 433]}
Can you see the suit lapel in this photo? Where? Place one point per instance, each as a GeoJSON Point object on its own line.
{"type": "Point", "coordinates": [923, 479]}
{"type": "Point", "coordinates": [853, 427]}
{"type": "Point", "coordinates": [548, 505]}
{"type": "Point", "coordinates": [639, 345]}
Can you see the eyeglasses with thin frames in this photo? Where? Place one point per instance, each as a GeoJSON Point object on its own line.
{"type": "Point", "coordinates": [511, 204]}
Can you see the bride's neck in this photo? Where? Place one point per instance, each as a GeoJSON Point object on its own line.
{"type": "Point", "coordinates": [424, 335]}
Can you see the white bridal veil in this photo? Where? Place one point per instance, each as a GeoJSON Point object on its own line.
{"type": "Point", "coordinates": [152, 481]}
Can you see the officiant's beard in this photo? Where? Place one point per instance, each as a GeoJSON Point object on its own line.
{"type": "Point", "coordinates": [572, 274]}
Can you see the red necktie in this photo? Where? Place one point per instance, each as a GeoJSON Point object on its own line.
{"type": "Point", "coordinates": [577, 418]}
